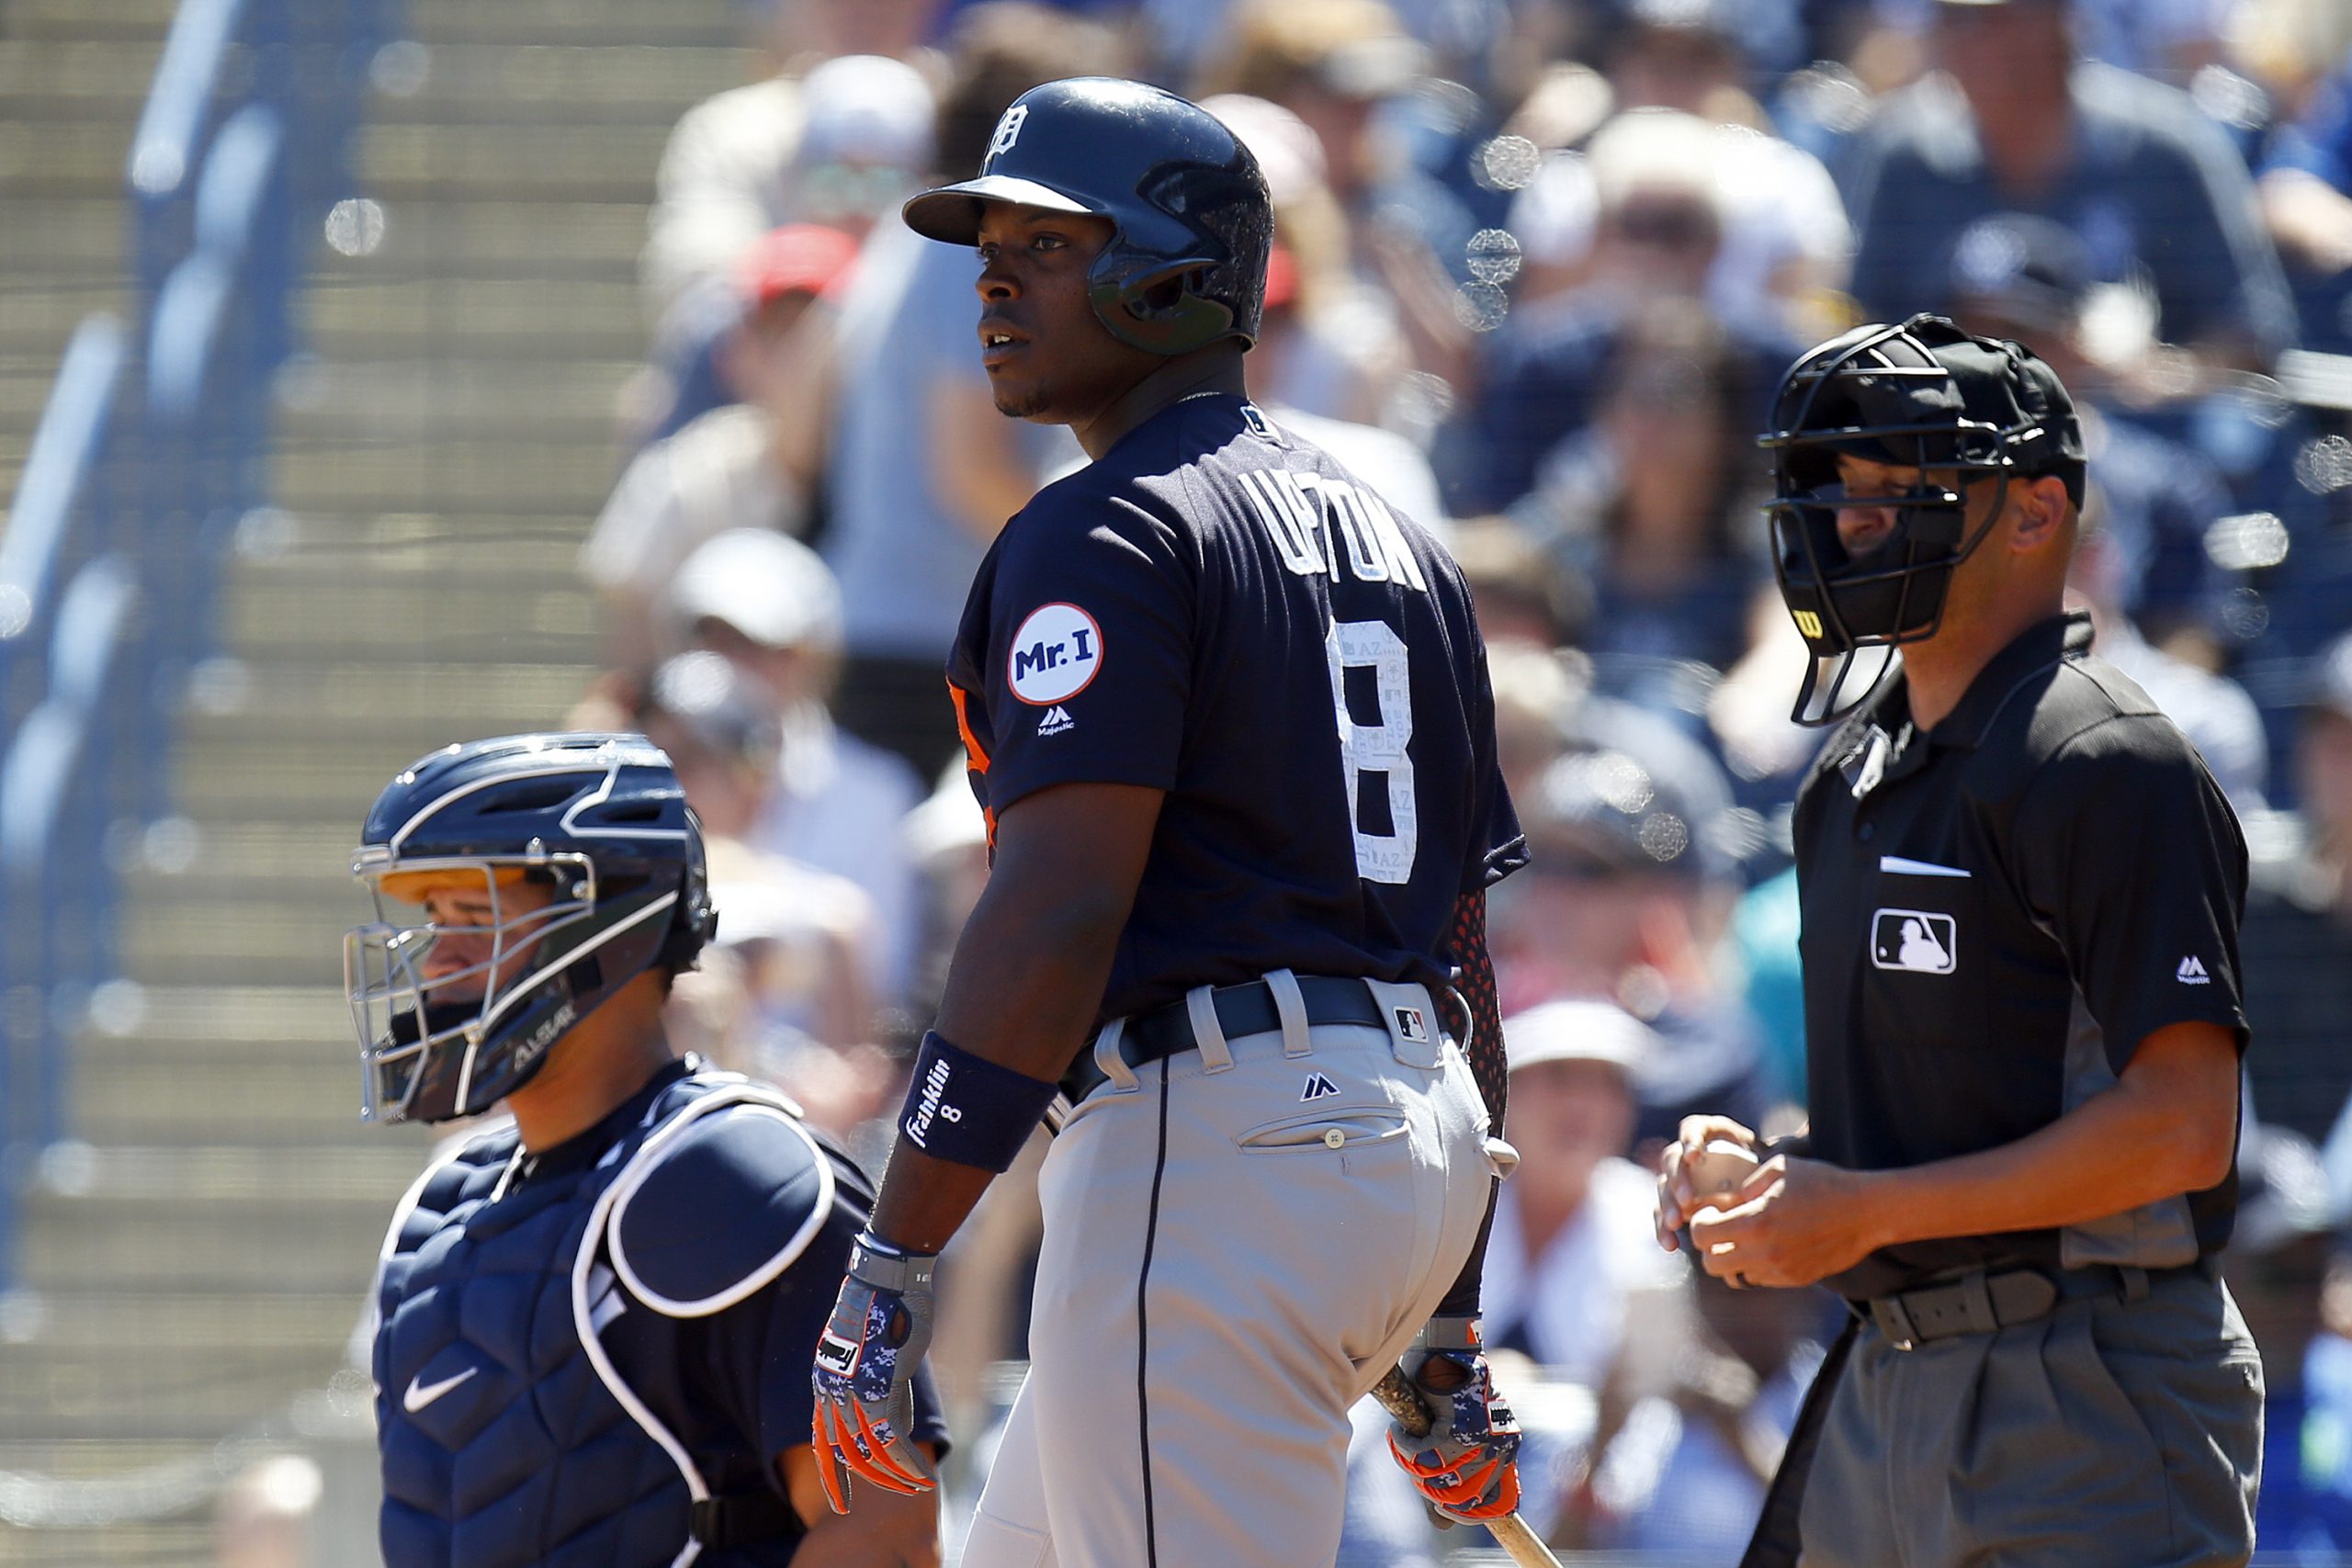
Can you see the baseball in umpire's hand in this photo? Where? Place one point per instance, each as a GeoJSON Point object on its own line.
{"type": "Point", "coordinates": [1706, 1167]}
{"type": "Point", "coordinates": [1797, 1222]}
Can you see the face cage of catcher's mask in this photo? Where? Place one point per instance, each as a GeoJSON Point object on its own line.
{"type": "Point", "coordinates": [1785, 515]}
{"type": "Point", "coordinates": [384, 981]}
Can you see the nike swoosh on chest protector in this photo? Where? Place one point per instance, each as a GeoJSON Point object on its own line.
{"type": "Point", "coordinates": [419, 1395]}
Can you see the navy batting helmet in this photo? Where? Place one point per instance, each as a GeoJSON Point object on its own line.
{"type": "Point", "coordinates": [1922, 395]}
{"type": "Point", "coordinates": [518, 883]}
{"type": "Point", "coordinates": [1187, 265]}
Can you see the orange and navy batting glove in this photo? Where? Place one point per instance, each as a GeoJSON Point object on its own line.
{"type": "Point", "coordinates": [1467, 1464]}
{"type": "Point", "coordinates": [865, 1378]}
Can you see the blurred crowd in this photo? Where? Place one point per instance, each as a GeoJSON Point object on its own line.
{"type": "Point", "coordinates": [1539, 266]}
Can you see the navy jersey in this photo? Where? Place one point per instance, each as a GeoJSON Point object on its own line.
{"type": "Point", "coordinates": [1217, 610]}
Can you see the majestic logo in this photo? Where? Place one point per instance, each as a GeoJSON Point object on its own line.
{"type": "Point", "coordinates": [1057, 720]}
{"type": "Point", "coordinates": [1318, 1088]}
{"type": "Point", "coordinates": [1411, 1026]}
{"type": "Point", "coordinates": [1008, 130]}
{"type": "Point", "coordinates": [421, 1394]}
{"type": "Point", "coordinates": [1054, 656]}
{"type": "Point", "coordinates": [1919, 941]}
{"type": "Point", "coordinates": [930, 1109]}
{"type": "Point", "coordinates": [2192, 972]}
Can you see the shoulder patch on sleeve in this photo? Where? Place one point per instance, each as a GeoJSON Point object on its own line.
{"type": "Point", "coordinates": [720, 1211]}
{"type": "Point", "coordinates": [1054, 655]}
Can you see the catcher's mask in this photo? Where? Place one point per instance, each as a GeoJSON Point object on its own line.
{"type": "Point", "coordinates": [1923, 396]}
{"type": "Point", "coordinates": [518, 884]}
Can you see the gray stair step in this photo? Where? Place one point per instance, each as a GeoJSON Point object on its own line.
{"type": "Point", "coordinates": [348, 699]}
{"type": "Point", "coordinates": [573, 163]}
{"type": "Point", "coordinates": [408, 400]}
{"type": "Point", "coordinates": [455, 318]}
{"type": "Point", "coordinates": [263, 615]}
{"type": "Point", "coordinates": [702, 22]}
{"type": "Point", "coordinates": [519, 82]}
{"type": "Point", "coordinates": [162, 1102]}
{"type": "Point", "coordinates": [451, 480]}
{"type": "Point", "coordinates": [426, 236]}
{"type": "Point", "coordinates": [177, 1387]}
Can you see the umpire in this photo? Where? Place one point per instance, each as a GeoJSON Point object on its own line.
{"type": "Point", "coordinates": [2021, 891]}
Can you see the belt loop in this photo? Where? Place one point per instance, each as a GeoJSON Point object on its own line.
{"type": "Point", "coordinates": [1895, 1322]}
{"type": "Point", "coordinates": [1289, 1006]}
{"type": "Point", "coordinates": [1976, 1294]}
{"type": "Point", "coordinates": [1200, 1007]}
{"type": "Point", "coordinates": [2135, 1283]}
{"type": "Point", "coordinates": [1111, 1062]}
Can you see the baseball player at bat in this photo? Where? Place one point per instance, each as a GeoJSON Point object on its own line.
{"type": "Point", "coordinates": [1230, 719]}
{"type": "Point", "coordinates": [2021, 890]}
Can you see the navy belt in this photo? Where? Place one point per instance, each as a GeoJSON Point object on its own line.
{"type": "Point", "coordinates": [1156, 1034]}
{"type": "Point", "coordinates": [1981, 1302]}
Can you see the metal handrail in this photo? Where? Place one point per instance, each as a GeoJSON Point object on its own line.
{"type": "Point", "coordinates": [240, 148]}
{"type": "Point", "coordinates": [57, 472]}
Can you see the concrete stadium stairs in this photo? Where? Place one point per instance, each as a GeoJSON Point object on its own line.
{"type": "Point", "coordinates": [195, 1267]}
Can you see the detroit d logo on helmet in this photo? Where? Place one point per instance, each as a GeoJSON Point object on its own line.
{"type": "Point", "coordinates": [1008, 130]}
{"type": "Point", "coordinates": [1054, 655]}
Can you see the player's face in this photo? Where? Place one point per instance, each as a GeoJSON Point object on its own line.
{"type": "Point", "coordinates": [1048, 357]}
{"type": "Point", "coordinates": [466, 914]}
{"type": "Point", "coordinates": [1863, 529]}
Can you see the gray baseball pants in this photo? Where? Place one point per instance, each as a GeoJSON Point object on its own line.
{"type": "Point", "coordinates": [2111, 1434]}
{"type": "Point", "coordinates": [1239, 1241]}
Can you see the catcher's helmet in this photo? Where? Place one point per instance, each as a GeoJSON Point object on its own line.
{"type": "Point", "coordinates": [576, 867]}
{"type": "Point", "coordinates": [1922, 395]}
{"type": "Point", "coordinates": [1187, 265]}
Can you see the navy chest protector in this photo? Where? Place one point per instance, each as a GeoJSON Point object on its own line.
{"type": "Point", "coordinates": [509, 1436]}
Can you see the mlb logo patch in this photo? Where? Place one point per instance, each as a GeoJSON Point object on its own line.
{"type": "Point", "coordinates": [1412, 1027]}
{"type": "Point", "coordinates": [1919, 941]}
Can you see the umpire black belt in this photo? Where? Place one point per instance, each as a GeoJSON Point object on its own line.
{"type": "Point", "coordinates": [1156, 1034]}
{"type": "Point", "coordinates": [1983, 1302]}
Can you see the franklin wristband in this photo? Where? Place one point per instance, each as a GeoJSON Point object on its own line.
{"type": "Point", "coordinates": [967, 1110]}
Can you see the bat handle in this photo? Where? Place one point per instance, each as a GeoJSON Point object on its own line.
{"type": "Point", "coordinates": [1395, 1391]}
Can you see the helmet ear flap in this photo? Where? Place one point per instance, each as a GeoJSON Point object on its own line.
{"type": "Point", "coordinates": [1160, 310]}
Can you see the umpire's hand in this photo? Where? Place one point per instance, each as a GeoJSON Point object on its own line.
{"type": "Point", "coordinates": [1797, 1222]}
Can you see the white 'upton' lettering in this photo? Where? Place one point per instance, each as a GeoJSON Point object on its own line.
{"type": "Point", "coordinates": [1313, 519]}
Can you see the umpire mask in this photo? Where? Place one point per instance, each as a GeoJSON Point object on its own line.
{"type": "Point", "coordinates": [1922, 396]}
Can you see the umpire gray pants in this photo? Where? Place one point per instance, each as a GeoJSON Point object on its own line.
{"type": "Point", "coordinates": [1239, 1241]}
{"type": "Point", "coordinates": [2111, 1434]}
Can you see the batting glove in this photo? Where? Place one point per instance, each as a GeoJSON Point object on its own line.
{"type": "Point", "coordinates": [1467, 1464]}
{"type": "Point", "coordinates": [865, 1378]}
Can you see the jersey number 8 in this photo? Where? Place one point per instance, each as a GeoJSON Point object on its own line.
{"type": "Point", "coordinates": [1377, 747]}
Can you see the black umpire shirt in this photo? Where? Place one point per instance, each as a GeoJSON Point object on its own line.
{"type": "Point", "coordinates": [1996, 913]}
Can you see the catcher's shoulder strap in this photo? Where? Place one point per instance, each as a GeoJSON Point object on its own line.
{"type": "Point", "coordinates": [718, 1202]}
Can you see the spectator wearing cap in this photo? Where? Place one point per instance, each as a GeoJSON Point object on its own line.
{"type": "Point", "coordinates": [1629, 896]}
{"type": "Point", "coordinates": [1658, 230]}
{"type": "Point", "coordinates": [921, 470]}
{"type": "Point", "coordinates": [2297, 944]}
{"type": "Point", "coordinates": [2014, 121]}
{"type": "Point", "coordinates": [746, 463]}
{"type": "Point", "coordinates": [799, 939]}
{"type": "Point", "coordinates": [1342, 353]}
{"type": "Point", "coordinates": [2029, 279]}
{"type": "Point", "coordinates": [832, 140]}
{"type": "Point", "coordinates": [1346, 69]}
{"type": "Point", "coordinates": [1573, 1263]}
{"type": "Point", "coordinates": [769, 606]}
{"type": "Point", "coordinates": [1785, 243]}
